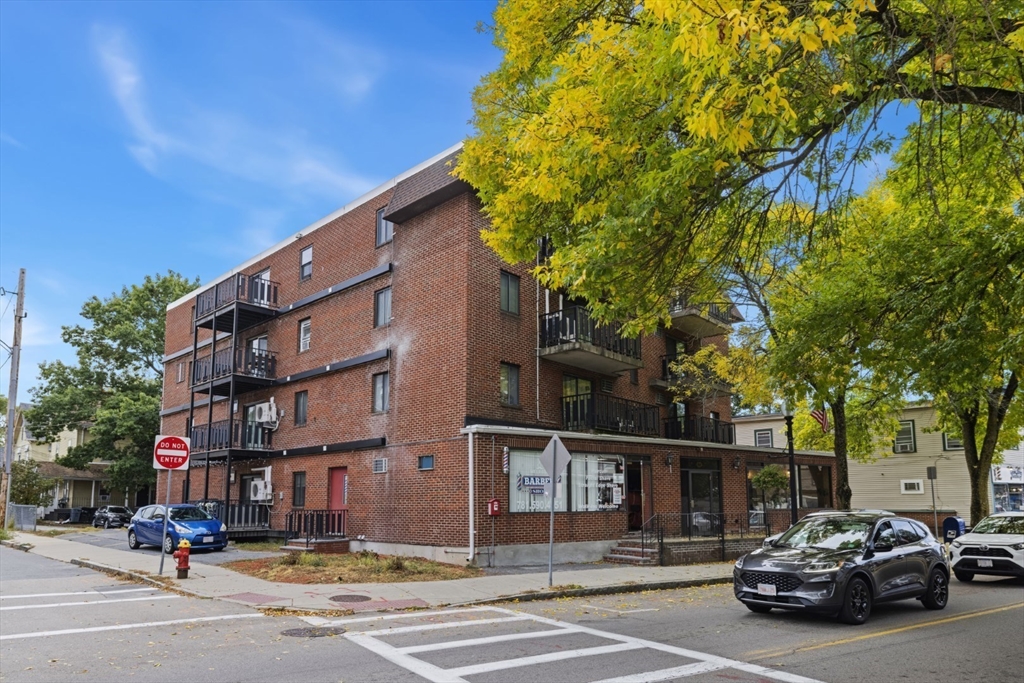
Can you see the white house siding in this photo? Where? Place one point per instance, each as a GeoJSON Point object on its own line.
{"type": "Point", "coordinates": [746, 426]}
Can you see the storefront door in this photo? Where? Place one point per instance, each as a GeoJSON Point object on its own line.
{"type": "Point", "coordinates": [338, 488]}
{"type": "Point", "coordinates": [702, 498]}
{"type": "Point", "coordinates": [639, 498]}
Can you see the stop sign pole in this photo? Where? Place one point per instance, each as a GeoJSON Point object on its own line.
{"type": "Point", "coordinates": [169, 453]}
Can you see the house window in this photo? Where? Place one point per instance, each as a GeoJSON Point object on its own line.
{"type": "Point", "coordinates": [950, 443]}
{"type": "Point", "coordinates": [510, 384]}
{"type": "Point", "coordinates": [382, 307]}
{"type": "Point", "coordinates": [715, 415]}
{"type": "Point", "coordinates": [526, 481]}
{"type": "Point", "coordinates": [426, 462]}
{"type": "Point", "coordinates": [905, 442]}
{"type": "Point", "coordinates": [385, 229]}
{"type": "Point", "coordinates": [763, 438]}
{"type": "Point", "coordinates": [509, 292]}
{"type": "Point", "coordinates": [305, 330]}
{"type": "Point", "coordinates": [181, 371]}
{"type": "Point", "coordinates": [911, 486]}
{"type": "Point", "coordinates": [301, 406]}
{"type": "Point", "coordinates": [381, 391]}
{"type": "Point", "coordinates": [298, 489]}
{"type": "Point", "coordinates": [306, 263]}
{"type": "Point", "coordinates": [634, 376]}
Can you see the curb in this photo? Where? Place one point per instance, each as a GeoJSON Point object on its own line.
{"type": "Point", "coordinates": [23, 547]}
{"type": "Point", "coordinates": [137, 576]}
{"type": "Point", "coordinates": [613, 589]}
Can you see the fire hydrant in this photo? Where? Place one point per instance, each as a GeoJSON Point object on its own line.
{"type": "Point", "coordinates": [181, 555]}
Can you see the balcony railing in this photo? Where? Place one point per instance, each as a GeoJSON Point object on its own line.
{"type": "Point", "coordinates": [316, 524]}
{"type": "Point", "coordinates": [718, 312]}
{"type": "Point", "coordinates": [243, 361]}
{"type": "Point", "coordinates": [250, 289]}
{"type": "Point", "coordinates": [601, 411]}
{"type": "Point", "coordinates": [237, 515]}
{"type": "Point", "coordinates": [574, 324]}
{"type": "Point", "coordinates": [217, 436]}
{"type": "Point", "coordinates": [697, 428]}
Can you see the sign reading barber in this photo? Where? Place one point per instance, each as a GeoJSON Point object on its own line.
{"type": "Point", "coordinates": [171, 453]}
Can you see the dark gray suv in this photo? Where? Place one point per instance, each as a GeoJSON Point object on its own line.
{"type": "Point", "coordinates": [842, 564]}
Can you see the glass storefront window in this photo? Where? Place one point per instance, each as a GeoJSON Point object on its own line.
{"type": "Point", "coordinates": [596, 483]}
{"type": "Point", "coordinates": [815, 483]}
{"type": "Point", "coordinates": [527, 479]}
{"type": "Point", "coordinates": [768, 500]}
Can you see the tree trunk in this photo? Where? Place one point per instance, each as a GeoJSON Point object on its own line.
{"type": "Point", "coordinates": [843, 491]}
{"type": "Point", "coordinates": [979, 462]}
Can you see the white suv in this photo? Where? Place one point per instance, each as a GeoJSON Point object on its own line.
{"type": "Point", "coordinates": [995, 546]}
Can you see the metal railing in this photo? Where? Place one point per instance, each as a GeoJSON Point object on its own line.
{"type": "Point", "coordinates": [312, 525]}
{"type": "Point", "coordinates": [250, 289]}
{"type": "Point", "coordinates": [719, 312]}
{"type": "Point", "coordinates": [242, 361]}
{"type": "Point", "coordinates": [574, 324]}
{"type": "Point", "coordinates": [238, 515]}
{"type": "Point", "coordinates": [696, 428]}
{"type": "Point", "coordinates": [603, 411]}
{"type": "Point", "coordinates": [253, 436]}
{"type": "Point", "coordinates": [702, 526]}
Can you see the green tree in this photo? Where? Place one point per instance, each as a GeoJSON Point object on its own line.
{"type": "Point", "coordinates": [28, 487]}
{"type": "Point", "coordinates": [772, 481]}
{"type": "Point", "coordinates": [116, 383]}
{"type": "Point", "coordinates": [650, 142]}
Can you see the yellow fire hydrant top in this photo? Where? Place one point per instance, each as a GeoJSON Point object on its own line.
{"type": "Point", "coordinates": [183, 543]}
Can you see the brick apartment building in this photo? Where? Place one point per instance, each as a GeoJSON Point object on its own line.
{"type": "Point", "coordinates": [371, 375]}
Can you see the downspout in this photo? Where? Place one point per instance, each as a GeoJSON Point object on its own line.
{"type": "Point", "coordinates": [472, 507]}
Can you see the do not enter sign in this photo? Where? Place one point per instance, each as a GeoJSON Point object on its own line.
{"type": "Point", "coordinates": [171, 453]}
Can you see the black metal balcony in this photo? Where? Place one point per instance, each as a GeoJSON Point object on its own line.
{"type": "Point", "coordinates": [255, 300]}
{"type": "Point", "coordinates": [701, 319]}
{"type": "Point", "coordinates": [252, 369]}
{"type": "Point", "coordinates": [316, 524]}
{"type": "Point", "coordinates": [241, 435]}
{"type": "Point", "coordinates": [697, 428]}
{"type": "Point", "coordinates": [607, 413]}
{"type": "Point", "coordinates": [572, 337]}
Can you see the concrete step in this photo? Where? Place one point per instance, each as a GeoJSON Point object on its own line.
{"type": "Point", "coordinates": [634, 552]}
{"type": "Point", "coordinates": [630, 559]}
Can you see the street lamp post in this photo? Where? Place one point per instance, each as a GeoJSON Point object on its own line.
{"type": "Point", "coordinates": [787, 411]}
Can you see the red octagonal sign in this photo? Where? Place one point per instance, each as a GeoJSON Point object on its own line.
{"type": "Point", "coordinates": [171, 453]}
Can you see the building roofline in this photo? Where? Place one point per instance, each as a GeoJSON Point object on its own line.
{"type": "Point", "coordinates": [304, 232]}
{"type": "Point", "coordinates": [615, 438]}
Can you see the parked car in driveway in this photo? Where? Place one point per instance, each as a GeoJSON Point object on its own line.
{"type": "Point", "coordinates": [995, 546]}
{"type": "Point", "coordinates": [844, 563]}
{"type": "Point", "coordinates": [188, 522]}
{"type": "Point", "coordinates": [112, 515]}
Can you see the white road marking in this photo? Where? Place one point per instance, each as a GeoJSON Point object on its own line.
{"type": "Point", "coordinates": [474, 669]}
{"type": "Point", "coordinates": [623, 611]}
{"type": "Point", "coordinates": [90, 602]}
{"type": "Point", "coordinates": [403, 656]}
{"type": "Point", "coordinates": [320, 621]}
{"type": "Point", "coordinates": [448, 624]}
{"type": "Point", "coordinates": [667, 674]}
{"type": "Point", "coordinates": [122, 627]}
{"type": "Point", "coordinates": [92, 592]}
{"type": "Point", "coordinates": [473, 642]}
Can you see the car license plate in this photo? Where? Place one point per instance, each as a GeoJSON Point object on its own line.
{"type": "Point", "coordinates": [984, 563]}
{"type": "Point", "coordinates": [207, 539]}
{"type": "Point", "coordinates": [766, 589]}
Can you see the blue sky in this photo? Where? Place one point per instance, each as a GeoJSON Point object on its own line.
{"type": "Point", "coordinates": [141, 137]}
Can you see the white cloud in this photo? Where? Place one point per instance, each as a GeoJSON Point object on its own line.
{"type": "Point", "coordinates": [220, 141]}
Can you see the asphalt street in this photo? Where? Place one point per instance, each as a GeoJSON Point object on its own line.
{"type": "Point", "coordinates": [118, 539]}
{"type": "Point", "coordinates": [72, 624]}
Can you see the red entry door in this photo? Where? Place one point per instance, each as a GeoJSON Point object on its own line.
{"type": "Point", "coordinates": [338, 489]}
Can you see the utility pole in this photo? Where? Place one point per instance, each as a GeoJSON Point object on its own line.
{"type": "Point", "coordinates": [12, 397]}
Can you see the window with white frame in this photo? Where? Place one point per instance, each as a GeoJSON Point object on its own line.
{"type": "Point", "coordinates": [905, 440]}
{"type": "Point", "coordinates": [951, 443]}
{"type": "Point", "coordinates": [381, 393]}
{"type": "Point", "coordinates": [382, 307]}
{"type": "Point", "coordinates": [911, 486]}
{"type": "Point", "coordinates": [305, 332]}
{"type": "Point", "coordinates": [306, 263]}
{"type": "Point", "coordinates": [763, 438]}
{"type": "Point", "coordinates": [181, 371]}
{"type": "Point", "coordinates": [509, 383]}
{"type": "Point", "coordinates": [385, 229]}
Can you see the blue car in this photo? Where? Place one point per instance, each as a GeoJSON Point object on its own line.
{"type": "Point", "coordinates": [188, 522]}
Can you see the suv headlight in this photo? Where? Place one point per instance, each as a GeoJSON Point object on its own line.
{"type": "Point", "coordinates": [180, 529]}
{"type": "Point", "coordinates": [956, 544]}
{"type": "Point", "coordinates": [739, 562]}
{"type": "Point", "coordinates": [822, 567]}
{"type": "Point", "coordinates": [1018, 546]}
{"type": "Point", "coordinates": [223, 526]}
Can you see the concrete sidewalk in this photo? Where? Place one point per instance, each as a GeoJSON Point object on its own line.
{"type": "Point", "coordinates": [212, 581]}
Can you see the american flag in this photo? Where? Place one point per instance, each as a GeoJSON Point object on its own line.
{"type": "Point", "coordinates": [821, 416]}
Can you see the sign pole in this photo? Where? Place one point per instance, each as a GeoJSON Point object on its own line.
{"type": "Point", "coordinates": [167, 514]}
{"type": "Point", "coordinates": [554, 460]}
{"type": "Point", "coordinates": [551, 535]}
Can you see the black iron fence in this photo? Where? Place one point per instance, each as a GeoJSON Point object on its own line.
{"type": "Point", "coordinates": [720, 312]}
{"type": "Point", "coordinates": [250, 289]}
{"type": "Point", "coordinates": [237, 515]}
{"type": "Point", "coordinates": [312, 525]}
{"type": "Point", "coordinates": [242, 361]}
{"type": "Point", "coordinates": [697, 428]}
{"type": "Point", "coordinates": [596, 410]}
{"type": "Point", "coordinates": [574, 324]}
{"type": "Point", "coordinates": [246, 435]}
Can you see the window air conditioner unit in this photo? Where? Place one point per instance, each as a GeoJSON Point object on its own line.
{"type": "Point", "coordinates": [904, 448]}
{"type": "Point", "coordinates": [380, 465]}
{"type": "Point", "coordinates": [261, 491]}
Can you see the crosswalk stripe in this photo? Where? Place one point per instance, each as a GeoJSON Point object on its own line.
{"type": "Point", "coordinates": [474, 669]}
{"type": "Point", "coordinates": [473, 642]}
{"type": "Point", "coordinates": [667, 674]}
{"type": "Point", "coordinates": [449, 624]}
{"type": "Point", "coordinates": [89, 602]}
{"type": "Point", "coordinates": [426, 670]}
{"type": "Point", "coordinates": [122, 627]}
{"type": "Point", "coordinates": [90, 592]}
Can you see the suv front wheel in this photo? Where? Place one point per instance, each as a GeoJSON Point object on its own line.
{"type": "Point", "coordinates": [856, 603]}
